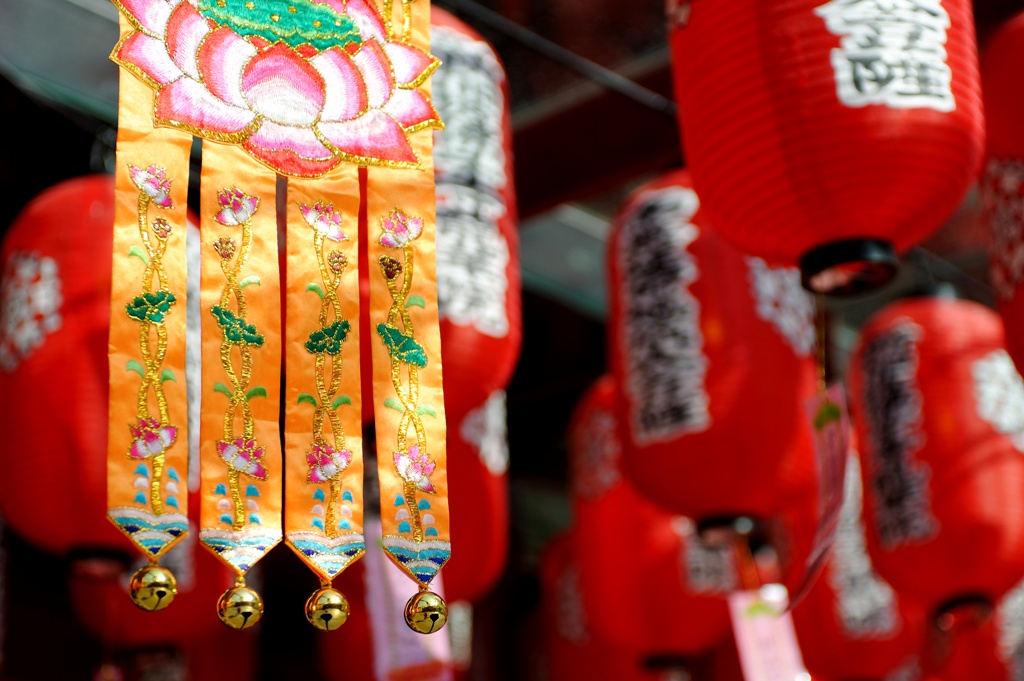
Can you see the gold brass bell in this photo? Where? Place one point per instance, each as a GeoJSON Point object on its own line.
{"type": "Point", "coordinates": [240, 607]}
{"type": "Point", "coordinates": [152, 588]}
{"type": "Point", "coordinates": [426, 612]}
{"type": "Point", "coordinates": [327, 609]}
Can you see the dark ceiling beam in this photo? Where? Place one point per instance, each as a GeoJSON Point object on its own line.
{"type": "Point", "coordinates": [592, 140]}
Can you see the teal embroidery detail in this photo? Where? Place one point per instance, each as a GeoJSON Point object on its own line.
{"type": "Point", "coordinates": [430, 532]}
{"type": "Point", "coordinates": [399, 500]}
{"type": "Point", "coordinates": [252, 491]}
{"type": "Point", "coordinates": [236, 329]}
{"type": "Point", "coordinates": [152, 307]}
{"type": "Point", "coordinates": [254, 519]}
{"type": "Point", "coordinates": [226, 518]}
{"type": "Point", "coordinates": [293, 22]}
{"type": "Point", "coordinates": [172, 501]}
{"type": "Point", "coordinates": [402, 347]}
{"type": "Point", "coordinates": [140, 498]}
{"type": "Point", "coordinates": [344, 525]}
{"type": "Point", "coordinates": [328, 340]}
{"type": "Point", "coordinates": [221, 490]}
{"type": "Point", "coordinates": [423, 505]}
{"type": "Point", "coordinates": [142, 469]}
{"type": "Point", "coordinates": [319, 495]}
{"type": "Point", "coordinates": [347, 496]}
{"type": "Point", "coordinates": [404, 527]}
{"type": "Point", "coordinates": [317, 523]}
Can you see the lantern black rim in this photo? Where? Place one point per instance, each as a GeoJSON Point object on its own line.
{"type": "Point", "coordinates": [849, 267]}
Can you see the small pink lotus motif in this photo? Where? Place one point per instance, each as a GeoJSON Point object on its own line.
{"type": "Point", "coordinates": [301, 110]}
{"type": "Point", "coordinates": [243, 456]}
{"type": "Point", "coordinates": [324, 219]}
{"type": "Point", "coordinates": [325, 463]}
{"type": "Point", "coordinates": [153, 181]}
{"type": "Point", "coordinates": [399, 229]}
{"type": "Point", "coordinates": [151, 438]}
{"type": "Point", "coordinates": [415, 468]}
{"type": "Point", "coordinates": [236, 207]}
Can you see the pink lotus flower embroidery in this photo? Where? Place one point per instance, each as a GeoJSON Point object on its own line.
{"type": "Point", "coordinates": [151, 438]}
{"type": "Point", "coordinates": [236, 207]}
{"type": "Point", "coordinates": [243, 456]}
{"type": "Point", "coordinates": [299, 109]}
{"type": "Point", "coordinates": [399, 229]}
{"type": "Point", "coordinates": [324, 219]}
{"type": "Point", "coordinates": [325, 463]}
{"type": "Point", "coordinates": [415, 468]}
{"type": "Point", "coordinates": [154, 183]}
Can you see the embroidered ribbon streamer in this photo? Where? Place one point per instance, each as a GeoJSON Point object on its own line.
{"type": "Point", "coordinates": [147, 461]}
{"type": "Point", "coordinates": [407, 388]}
{"type": "Point", "coordinates": [323, 425]}
{"type": "Point", "coordinates": [240, 451]}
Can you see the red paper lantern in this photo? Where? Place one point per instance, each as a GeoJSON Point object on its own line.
{"type": "Point", "coordinates": [571, 649]}
{"type": "Point", "coordinates": [852, 625]}
{"type": "Point", "coordinates": [53, 368]}
{"type": "Point", "coordinates": [939, 411]}
{"type": "Point", "coordinates": [712, 352]}
{"type": "Point", "coordinates": [830, 133]}
{"type": "Point", "coordinates": [668, 587]}
{"type": "Point", "coordinates": [1002, 188]}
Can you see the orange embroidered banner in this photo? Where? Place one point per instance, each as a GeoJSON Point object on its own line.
{"type": "Point", "coordinates": [323, 418]}
{"type": "Point", "coordinates": [147, 464]}
{"type": "Point", "coordinates": [407, 386]}
{"type": "Point", "coordinates": [240, 451]}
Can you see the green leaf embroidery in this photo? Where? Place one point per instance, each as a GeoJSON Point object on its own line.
{"type": "Point", "coordinates": [221, 388]}
{"type": "Point", "coordinates": [416, 301]}
{"type": "Point", "coordinates": [167, 375]}
{"type": "Point", "coordinates": [255, 391]}
{"type": "Point", "coordinates": [139, 253]}
{"type": "Point", "coordinates": [151, 307]}
{"type": "Point", "coordinates": [137, 367]}
{"type": "Point", "coordinates": [251, 279]}
{"type": "Point", "coordinates": [340, 400]}
{"type": "Point", "coordinates": [426, 409]}
{"type": "Point", "coordinates": [402, 347]}
{"type": "Point", "coordinates": [236, 329]}
{"type": "Point", "coordinates": [328, 339]}
{"type": "Point", "coordinates": [828, 413]}
{"type": "Point", "coordinates": [315, 288]}
{"type": "Point", "coordinates": [392, 403]}
{"type": "Point", "coordinates": [308, 399]}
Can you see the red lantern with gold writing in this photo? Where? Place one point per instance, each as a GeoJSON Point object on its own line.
{"type": "Point", "coordinates": [712, 353]}
{"type": "Point", "coordinates": [570, 648]}
{"type": "Point", "coordinates": [53, 368]}
{"type": "Point", "coordinates": [939, 411]}
{"type": "Point", "coordinates": [1002, 188]}
{"type": "Point", "coordinates": [668, 586]}
{"type": "Point", "coordinates": [852, 625]}
{"type": "Point", "coordinates": [833, 133]}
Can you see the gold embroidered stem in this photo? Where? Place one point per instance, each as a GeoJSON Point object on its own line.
{"type": "Point", "coordinates": [388, 17]}
{"type": "Point", "coordinates": [414, 511]}
{"type": "Point", "coordinates": [154, 486]}
{"type": "Point", "coordinates": [406, 20]}
{"type": "Point", "coordinates": [331, 517]}
{"type": "Point", "coordinates": [236, 499]}
{"type": "Point", "coordinates": [153, 378]}
{"type": "Point", "coordinates": [408, 397]}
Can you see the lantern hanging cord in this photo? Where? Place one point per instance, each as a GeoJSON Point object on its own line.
{"type": "Point", "coordinates": [937, 265]}
{"type": "Point", "coordinates": [599, 74]}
